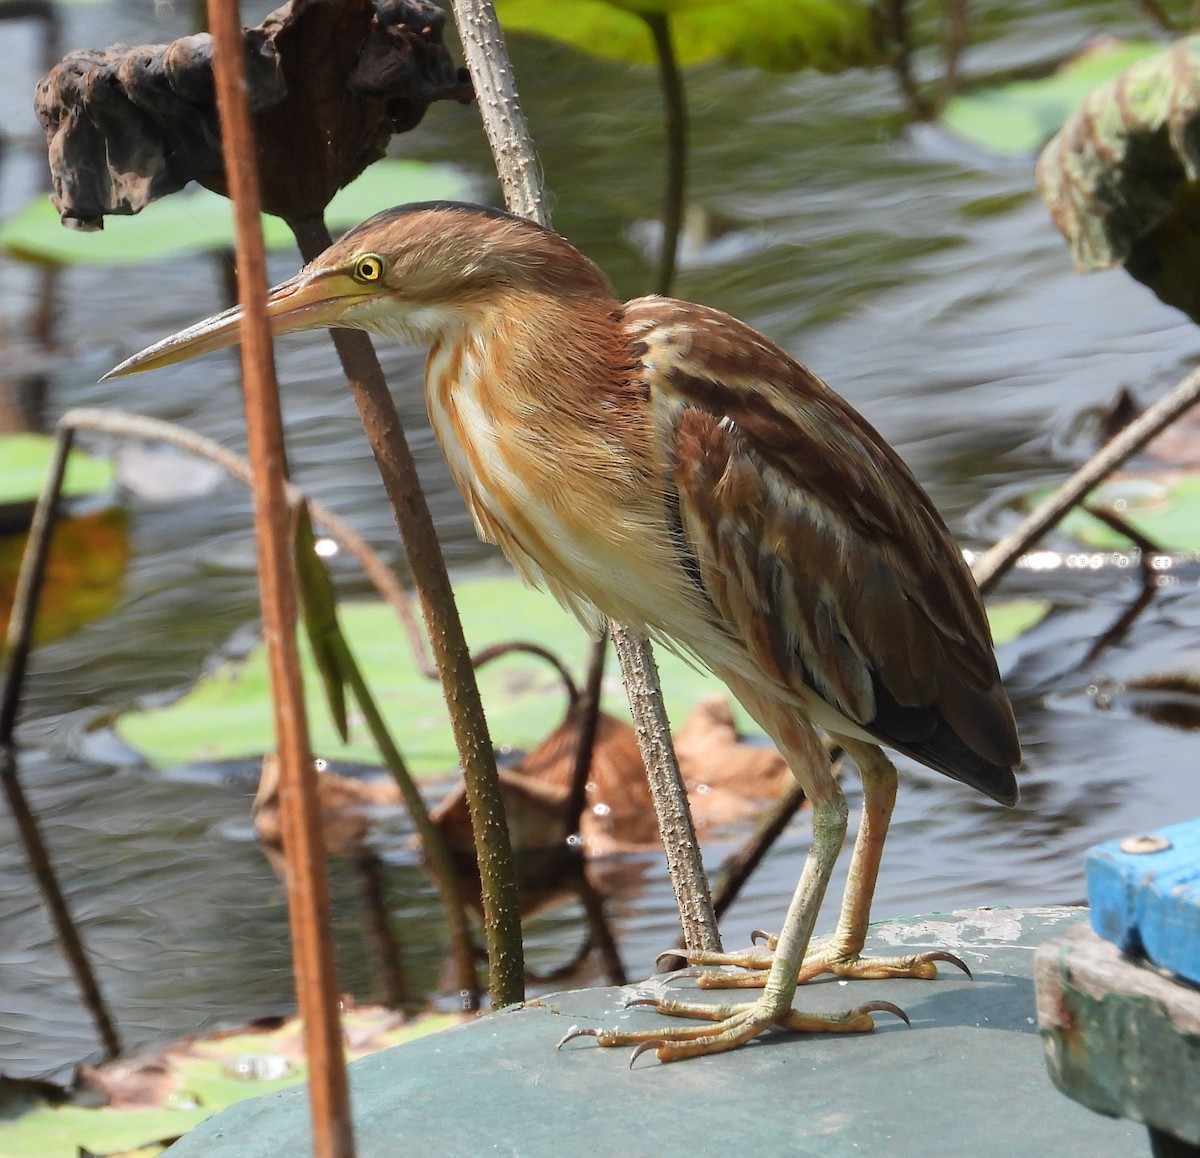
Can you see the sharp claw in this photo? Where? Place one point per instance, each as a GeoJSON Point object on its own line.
{"type": "Point", "coordinates": [574, 1032]}
{"type": "Point", "coordinates": [638, 999]}
{"type": "Point", "coordinates": [885, 1007]}
{"type": "Point", "coordinates": [643, 1047]}
{"type": "Point", "coordinates": [942, 955]}
{"type": "Point", "coordinates": [678, 973]}
{"type": "Point", "coordinates": [757, 935]}
{"type": "Point", "coordinates": [668, 955]}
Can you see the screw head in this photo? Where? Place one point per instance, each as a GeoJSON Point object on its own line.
{"type": "Point", "coordinates": [1139, 845]}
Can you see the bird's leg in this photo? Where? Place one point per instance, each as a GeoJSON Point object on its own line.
{"type": "Point", "coordinates": [841, 953]}
{"type": "Point", "coordinates": [733, 1024]}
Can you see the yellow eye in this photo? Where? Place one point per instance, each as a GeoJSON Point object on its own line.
{"type": "Point", "coordinates": [368, 268]}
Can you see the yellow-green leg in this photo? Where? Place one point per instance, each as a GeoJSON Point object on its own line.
{"type": "Point", "coordinates": [841, 953]}
{"type": "Point", "coordinates": [733, 1024]}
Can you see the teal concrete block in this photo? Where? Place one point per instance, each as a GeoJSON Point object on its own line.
{"type": "Point", "coordinates": [1144, 893]}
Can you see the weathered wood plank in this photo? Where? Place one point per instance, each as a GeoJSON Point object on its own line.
{"type": "Point", "coordinates": [1120, 1037]}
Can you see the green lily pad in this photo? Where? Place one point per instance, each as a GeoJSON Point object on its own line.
{"type": "Point", "coordinates": [1165, 510]}
{"type": "Point", "coordinates": [197, 220]}
{"type": "Point", "coordinates": [25, 460]}
{"type": "Point", "coordinates": [829, 35]}
{"type": "Point", "coordinates": [227, 714]}
{"type": "Point", "coordinates": [1011, 618]}
{"type": "Point", "coordinates": [1021, 117]}
{"type": "Point", "coordinates": [165, 1095]}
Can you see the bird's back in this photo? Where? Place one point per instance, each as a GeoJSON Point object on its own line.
{"type": "Point", "coordinates": [819, 548]}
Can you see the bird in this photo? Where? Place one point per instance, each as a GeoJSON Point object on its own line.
{"type": "Point", "coordinates": [660, 464]}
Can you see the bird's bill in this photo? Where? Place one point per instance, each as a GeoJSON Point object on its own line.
{"type": "Point", "coordinates": [304, 302]}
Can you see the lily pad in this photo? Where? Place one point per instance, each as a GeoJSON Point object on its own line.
{"type": "Point", "coordinates": [1165, 509]}
{"type": "Point", "coordinates": [25, 460]}
{"type": "Point", "coordinates": [197, 220]}
{"type": "Point", "coordinates": [227, 714]}
{"type": "Point", "coordinates": [1019, 118]}
{"type": "Point", "coordinates": [84, 572]}
{"type": "Point", "coordinates": [164, 1095]}
{"type": "Point", "coordinates": [1011, 618]}
{"type": "Point", "coordinates": [829, 35]}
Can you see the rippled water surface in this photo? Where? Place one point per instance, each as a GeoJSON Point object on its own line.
{"type": "Point", "coordinates": [921, 278]}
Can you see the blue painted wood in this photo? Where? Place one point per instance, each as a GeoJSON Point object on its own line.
{"type": "Point", "coordinates": [1149, 901]}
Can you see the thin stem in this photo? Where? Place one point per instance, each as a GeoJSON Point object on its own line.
{"type": "Point", "coordinates": [684, 862]}
{"type": "Point", "coordinates": [430, 834]}
{"type": "Point", "coordinates": [56, 904]}
{"type": "Point", "coordinates": [675, 107]}
{"type": "Point", "coordinates": [29, 586]}
{"type": "Point", "coordinates": [308, 887]}
{"type": "Point", "coordinates": [125, 425]}
{"type": "Point", "coordinates": [994, 563]}
{"type": "Point", "coordinates": [498, 880]}
{"type": "Point", "coordinates": [895, 14]}
{"type": "Point", "coordinates": [587, 712]}
{"type": "Point", "coordinates": [16, 662]}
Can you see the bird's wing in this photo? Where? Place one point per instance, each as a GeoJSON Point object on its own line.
{"type": "Point", "coordinates": [815, 542]}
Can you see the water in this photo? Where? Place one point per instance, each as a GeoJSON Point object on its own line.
{"type": "Point", "coordinates": [922, 279]}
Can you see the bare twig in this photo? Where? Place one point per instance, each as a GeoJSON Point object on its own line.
{"type": "Point", "coordinates": [895, 16]}
{"type": "Point", "coordinates": [996, 561]}
{"type": "Point", "coordinates": [587, 709]}
{"type": "Point", "coordinates": [516, 164]}
{"type": "Point", "coordinates": [29, 586]}
{"type": "Point", "coordinates": [308, 886]}
{"type": "Point", "coordinates": [675, 106]}
{"type": "Point", "coordinates": [16, 660]}
{"type": "Point", "coordinates": [139, 426]}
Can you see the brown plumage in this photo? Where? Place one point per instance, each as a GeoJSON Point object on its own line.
{"type": "Point", "coordinates": [662, 464]}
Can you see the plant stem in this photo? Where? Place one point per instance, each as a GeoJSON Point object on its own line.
{"type": "Point", "coordinates": [684, 863]}
{"type": "Point", "coordinates": [675, 107]}
{"type": "Point", "coordinates": [431, 837]}
{"type": "Point", "coordinates": [308, 887]}
{"type": "Point", "coordinates": [498, 880]}
{"type": "Point", "coordinates": [995, 562]}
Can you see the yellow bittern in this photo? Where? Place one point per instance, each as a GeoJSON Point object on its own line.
{"type": "Point", "coordinates": [663, 465]}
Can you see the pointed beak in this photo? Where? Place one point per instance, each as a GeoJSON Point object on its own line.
{"type": "Point", "coordinates": [308, 301]}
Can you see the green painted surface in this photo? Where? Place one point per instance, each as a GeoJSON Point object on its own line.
{"type": "Point", "coordinates": [967, 1079]}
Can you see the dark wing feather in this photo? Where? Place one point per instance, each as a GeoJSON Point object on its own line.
{"type": "Point", "coordinates": [813, 539]}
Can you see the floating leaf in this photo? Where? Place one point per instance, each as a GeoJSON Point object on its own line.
{"type": "Point", "coordinates": [1121, 177]}
{"type": "Point", "coordinates": [1020, 117]}
{"type": "Point", "coordinates": [197, 220]}
{"type": "Point", "coordinates": [25, 460]}
{"type": "Point", "coordinates": [166, 1094]}
{"type": "Point", "coordinates": [318, 608]}
{"type": "Point", "coordinates": [1165, 509]}
{"type": "Point", "coordinates": [85, 568]}
{"type": "Point", "coordinates": [829, 35]}
{"type": "Point", "coordinates": [1011, 618]}
{"type": "Point", "coordinates": [227, 714]}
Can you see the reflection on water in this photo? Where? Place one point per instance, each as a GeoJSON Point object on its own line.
{"type": "Point", "coordinates": [921, 279]}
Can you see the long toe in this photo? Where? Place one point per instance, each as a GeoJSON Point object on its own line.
{"type": "Point", "coordinates": [922, 966]}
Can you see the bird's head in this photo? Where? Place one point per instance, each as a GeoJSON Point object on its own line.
{"type": "Point", "coordinates": [414, 272]}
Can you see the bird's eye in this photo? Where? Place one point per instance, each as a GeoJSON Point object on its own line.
{"type": "Point", "coordinates": [368, 268]}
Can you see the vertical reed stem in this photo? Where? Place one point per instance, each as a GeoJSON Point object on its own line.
{"type": "Point", "coordinates": [308, 887]}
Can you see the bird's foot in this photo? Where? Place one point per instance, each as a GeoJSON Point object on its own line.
{"type": "Point", "coordinates": [712, 970]}
{"type": "Point", "coordinates": [733, 1025]}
